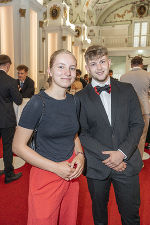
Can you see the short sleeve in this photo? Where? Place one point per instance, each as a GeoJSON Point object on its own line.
{"type": "Point", "coordinates": [31, 113]}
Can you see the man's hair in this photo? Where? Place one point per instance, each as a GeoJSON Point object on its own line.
{"type": "Point", "coordinates": [86, 75]}
{"type": "Point", "coordinates": [137, 60]}
{"type": "Point", "coordinates": [110, 71]}
{"type": "Point", "coordinates": [95, 51]}
{"type": "Point", "coordinates": [4, 59]}
{"type": "Point", "coordinates": [22, 67]}
{"type": "Point", "coordinates": [78, 72]}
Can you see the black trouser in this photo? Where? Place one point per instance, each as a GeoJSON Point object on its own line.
{"type": "Point", "coordinates": [127, 192]}
{"type": "Point", "coordinates": [7, 135]}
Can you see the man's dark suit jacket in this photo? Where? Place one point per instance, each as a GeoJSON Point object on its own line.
{"type": "Point", "coordinates": [9, 93]}
{"type": "Point", "coordinates": [98, 135]}
{"type": "Point", "coordinates": [28, 88]}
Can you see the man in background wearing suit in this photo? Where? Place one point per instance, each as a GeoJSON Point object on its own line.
{"type": "Point", "coordinates": [8, 94]}
{"type": "Point", "coordinates": [25, 83]}
{"type": "Point", "coordinates": [111, 126]}
{"type": "Point", "coordinates": [140, 79]}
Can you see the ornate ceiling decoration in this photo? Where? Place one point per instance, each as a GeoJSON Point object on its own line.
{"type": "Point", "coordinates": [96, 12]}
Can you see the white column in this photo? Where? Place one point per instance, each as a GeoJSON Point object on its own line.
{"type": "Point", "coordinates": [7, 42]}
{"type": "Point", "coordinates": [60, 42]}
{"type": "Point", "coordinates": [23, 32]}
{"type": "Point", "coordinates": [41, 55]}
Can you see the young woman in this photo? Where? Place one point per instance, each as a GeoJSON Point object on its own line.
{"type": "Point", "coordinates": [58, 159]}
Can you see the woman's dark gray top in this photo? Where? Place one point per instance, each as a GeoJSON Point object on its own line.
{"type": "Point", "coordinates": [58, 127]}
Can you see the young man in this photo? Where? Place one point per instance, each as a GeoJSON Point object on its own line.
{"type": "Point", "coordinates": [25, 83]}
{"type": "Point", "coordinates": [8, 94]}
{"type": "Point", "coordinates": [111, 126]}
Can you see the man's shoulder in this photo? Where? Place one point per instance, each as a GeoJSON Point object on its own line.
{"type": "Point", "coordinates": [123, 84]}
{"type": "Point", "coordinates": [134, 74]}
{"type": "Point", "coordinates": [146, 73]}
{"type": "Point", "coordinates": [7, 77]}
{"type": "Point", "coordinates": [118, 82]}
{"type": "Point", "coordinates": [29, 79]}
{"type": "Point", "coordinates": [127, 75]}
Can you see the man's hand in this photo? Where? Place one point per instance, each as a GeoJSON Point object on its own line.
{"type": "Point", "coordinates": [116, 157]}
{"type": "Point", "coordinates": [78, 164]}
{"type": "Point", "coordinates": [121, 167]}
{"type": "Point", "coordinates": [19, 87]}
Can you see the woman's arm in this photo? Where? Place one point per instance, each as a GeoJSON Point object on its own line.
{"type": "Point", "coordinates": [78, 161]}
{"type": "Point", "coordinates": [20, 148]}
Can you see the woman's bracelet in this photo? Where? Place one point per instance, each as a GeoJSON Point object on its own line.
{"type": "Point", "coordinates": [80, 153]}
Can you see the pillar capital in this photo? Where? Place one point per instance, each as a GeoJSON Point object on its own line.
{"type": "Point", "coordinates": [22, 12]}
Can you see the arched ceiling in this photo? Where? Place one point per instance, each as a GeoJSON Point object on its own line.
{"type": "Point", "coordinates": [97, 12]}
{"type": "Point", "coordinates": [120, 11]}
{"type": "Point", "coordinates": [89, 11]}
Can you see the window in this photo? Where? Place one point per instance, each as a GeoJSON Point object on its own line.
{"type": "Point", "coordinates": [140, 34]}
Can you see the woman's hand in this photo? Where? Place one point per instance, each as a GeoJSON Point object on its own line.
{"type": "Point", "coordinates": [64, 170]}
{"type": "Point", "coordinates": [78, 164]}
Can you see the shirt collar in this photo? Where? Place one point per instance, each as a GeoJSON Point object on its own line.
{"type": "Point", "coordinates": [3, 70]}
{"type": "Point", "coordinates": [21, 81]}
{"type": "Point", "coordinates": [96, 83]}
{"type": "Point", "coordinates": [136, 68]}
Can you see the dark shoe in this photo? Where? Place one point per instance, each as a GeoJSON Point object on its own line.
{"type": "Point", "coordinates": [1, 172]}
{"type": "Point", "coordinates": [12, 177]}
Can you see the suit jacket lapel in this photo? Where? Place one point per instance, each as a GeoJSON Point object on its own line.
{"type": "Point", "coordinates": [96, 100]}
{"type": "Point", "coordinates": [114, 101]}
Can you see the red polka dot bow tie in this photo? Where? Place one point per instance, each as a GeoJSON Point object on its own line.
{"type": "Point", "coordinates": [99, 89]}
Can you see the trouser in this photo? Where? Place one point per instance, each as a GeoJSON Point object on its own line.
{"type": "Point", "coordinates": [52, 200]}
{"type": "Point", "coordinates": [7, 138]}
{"type": "Point", "coordinates": [141, 145]}
{"type": "Point", "coordinates": [127, 192]}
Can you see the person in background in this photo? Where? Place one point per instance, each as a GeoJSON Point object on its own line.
{"type": "Point", "coordinates": [58, 160]}
{"type": "Point", "coordinates": [86, 79]}
{"type": "Point", "coordinates": [47, 84]}
{"type": "Point", "coordinates": [140, 79]}
{"type": "Point", "coordinates": [25, 83]}
{"type": "Point", "coordinates": [111, 126]}
{"type": "Point", "coordinates": [49, 81]}
{"type": "Point", "coordinates": [83, 80]}
{"type": "Point", "coordinates": [90, 80]}
{"type": "Point", "coordinates": [110, 73]}
{"type": "Point", "coordinates": [8, 94]}
{"type": "Point", "coordinates": [77, 84]}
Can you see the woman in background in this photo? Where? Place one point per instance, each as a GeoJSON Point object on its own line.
{"type": "Point", "coordinates": [58, 160]}
{"type": "Point", "coordinates": [77, 84]}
